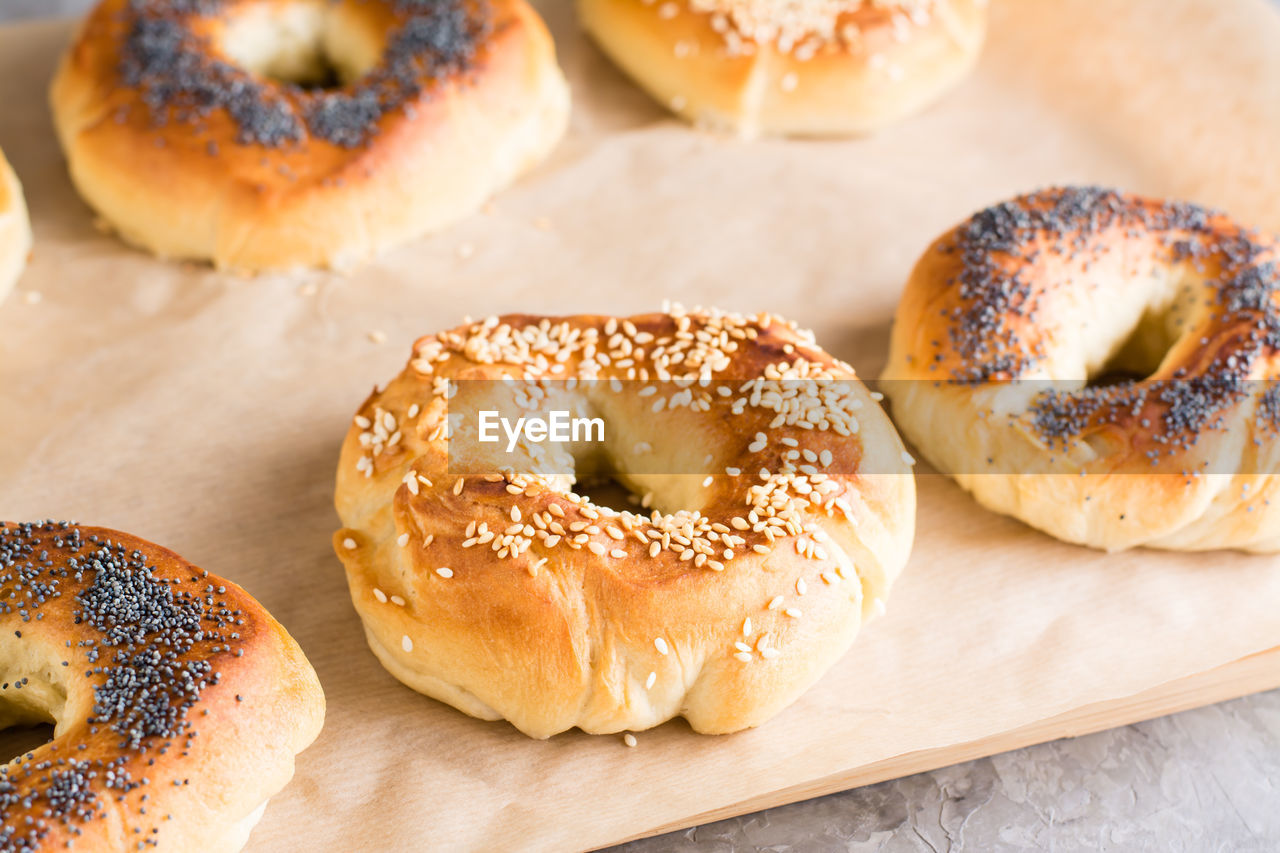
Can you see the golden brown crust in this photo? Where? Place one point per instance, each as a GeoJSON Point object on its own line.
{"type": "Point", "coordinates": [15, 229]}
{"type": "Point", "coordinates": [289, 177]}
{"type": "Point", "coordinates": [178, 702]}
{"type": "Point", "coordinates": [1060, 288]}
{"type": "Point", "coordinates": [865, 67]}
{"type": "Point", "coordinates": [721, 605]}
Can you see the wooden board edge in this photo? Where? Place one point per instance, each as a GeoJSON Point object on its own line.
{"type": "Point", "coordinates": [1252, 674]}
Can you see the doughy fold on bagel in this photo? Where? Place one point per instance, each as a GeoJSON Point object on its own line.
{"type": "Point", "coordinates": [274, 134]}
{"type": "Point", "coordinates": [178, 703]}
{"type": "Point", "coordinates": [1101, 366]}
{"type": "Point", "coordinates": [774, 507]}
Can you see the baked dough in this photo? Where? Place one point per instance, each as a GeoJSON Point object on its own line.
{"type": "Point", "coordinates": [776, 509]}
{"type": "Point", "coordinates": [180, 133]}
{"type": "Point", "coordinates": [1101, 366]}
{"type": "Point", "coordinates": [178, 703]}
{"type": "Point", "coordinates": [15, 229]}
{"type": "Point", "coordinates": [802, 67]}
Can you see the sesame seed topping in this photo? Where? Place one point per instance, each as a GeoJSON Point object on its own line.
{"type": "Point", "coordinates": [798, 411]}
{"type": "Point", "coordinates": [804, 29]}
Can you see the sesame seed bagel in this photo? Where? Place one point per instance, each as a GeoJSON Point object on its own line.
{"type": "Point", "coordinates": [1129, 342]}
{"type": "Point", "coordinates": [275, 134]}
{"type": "Point", "coordinates": [178, 703]}
{"type": "Point", "coordinates": [778, 508]}
{"type": "Point", "coordinates": [805, 67]}
{"type": "Point", "coordinates": [15, 229]}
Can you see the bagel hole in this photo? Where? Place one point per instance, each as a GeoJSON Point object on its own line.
{"type": "Point", "coordinates": [16, 741]}
{"type": "Point", "coordinates": [33, 698]}
{"type": "Point", "coordinates": [607, 491]}
{"type": "Point", "coordinates": [312, 44]}
{"type": "Point", "coordinates": [1140, 353]}
{"type": "Point", "coordinates": [1101, 444]}
{"type": "Point", "coordinates": [603, 476]}
{"type": "Point", "coordinates": [598, 480]}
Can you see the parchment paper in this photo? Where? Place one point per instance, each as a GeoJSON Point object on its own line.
{"type": "Point", "coordinates": [205, 411]}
